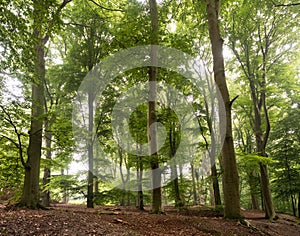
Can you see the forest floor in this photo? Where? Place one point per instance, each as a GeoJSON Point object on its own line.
{"type": "Point", "coordinates": [77, 220]}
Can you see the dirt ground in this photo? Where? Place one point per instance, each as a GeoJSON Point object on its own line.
{"type": "Point", "coordinates": [77, 220]}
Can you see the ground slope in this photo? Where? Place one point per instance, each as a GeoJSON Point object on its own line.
{"type": "Point", "coordinates": [77, 220]}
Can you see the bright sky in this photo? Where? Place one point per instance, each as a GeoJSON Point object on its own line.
{"type": "Point", "coordinates": [12, 89]}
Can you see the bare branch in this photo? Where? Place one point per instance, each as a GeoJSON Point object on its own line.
{"type": "Point", "coordinates": [287, 5]}
{"type": "Point", "coordinates": [231, 102]}
{"type": "Point", "coordinates": [19, 143]}
{"type": "Point", "coordinates": [105, 8]}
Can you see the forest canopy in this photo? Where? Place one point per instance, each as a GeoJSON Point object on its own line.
{"type": "Point", "coordinates": [151, 103]}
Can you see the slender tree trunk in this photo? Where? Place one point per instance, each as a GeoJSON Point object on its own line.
{"type": "Point", "coordinates": [261, 141]}
{"type": "Point", "coordinates": [90, 193]}
{"type": "Point", "coordinates": [96, 186]}
{"type": "Point", "coordinates": [122, 200]}
{"type": "Point", "coordinates": [258, 96]}
{"type": "Point", "coordinates": [198, 186]}
{"type": "Point", "coordinates": [217, 194]}
{"type": "Point", "coordinates": [47, 172]}
{"type": "Point", "coordinates": [212, 152]}
{"type": "Point", "coordinates": [214, 172]}
{"type": "Point", "coordinates": [195, 198]}
{"type": "Point", "coordinates": [65, 190]}
{"type": "Point", "coordinates": [288, 169]}
{"type": "Point", "coordinates": [254, 201]}
{"type": "Point", "coordinates": [266, 192]}
{"type": "Point", "coordinates": [252, 183]}
{"type": "Point", "coordinates": [230, 176]}
{"type": "Point", "coordinates": [293, 199]}
{"type": "Point", "coordinates": [140, 197]}
{"type": "Point", "coordinates": [299, 205]}
{"type": "Point", "coordinates": [127, 191]}
{"type": "Point", "coordinates": [140, 169]}
{"type": "Point", "coordinates": [174, 174]}
{"type": "Point", "coordinates": [156, 203]}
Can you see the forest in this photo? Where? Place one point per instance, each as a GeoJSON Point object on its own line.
{"type": "Point", "coordinates": [183, 114]}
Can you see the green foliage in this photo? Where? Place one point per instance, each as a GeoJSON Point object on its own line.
{"type": "Point", "coordinates": [86, 33]}
{"type": "Point", "coordinates": [14, 120]}
{"type": "Point", "coordinates": [185, 189]}
{"type": "Point", "coordinates": [66, 186]}
{"type": "Point", "coordinates": [115, 195]}
{"type": "Point", "coordinates": [286, 166]}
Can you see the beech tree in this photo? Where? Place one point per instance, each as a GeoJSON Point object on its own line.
{"type": "Point", "coordinates": [40, 20]}
{"type": "Point", "coordinates": [152, 126]}
{"type": "Point", "coordinates": [230, 178]}
{"type": "Point", "coordinates": [263, 72]}
{"type": "Point", "coordinates": [259, 57]}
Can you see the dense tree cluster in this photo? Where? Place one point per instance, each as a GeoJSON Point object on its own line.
{"type": "Point", "coordinates": [249, 50]}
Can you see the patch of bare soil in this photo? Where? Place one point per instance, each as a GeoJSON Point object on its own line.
{"type": "Point", "coordinates": [77, 220]}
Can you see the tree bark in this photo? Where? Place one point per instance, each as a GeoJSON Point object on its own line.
{"type": "Point", "coordinates": [139, 176]}
{"type": "Point", "coordinates": [156, 203]}
{"type": "Point", "coordinates": [174, 173]}
{"type": "Point", "coordinates": [90, 193]}
{"type": "Point", "coordinates": [299, 205]}
{"type": "Point", "coordinates": [258, 96]}
{"type": "Point", "coordinates": [65, 190]}
{"type": "Point", "coordinates": [261, 142]}
{"type": "Point", "coordinates": [217, 194]}
{"type": "Point", "coordinates": [140, 196]}
{"type": "Point", "coordinates": [31, 192]}
{"type": "Point", "coordinates": [195, 198]}
{"type": "Point", "coordinates": [230, 177]}
{"type": "Point", "coordinates": [47, 171]}
{"type": "Point", "coordinates": [252, 184]}
{"type": "Point", "coordinates": [30, 196]}
{"type": "Point", "coordinates": [266, 192]}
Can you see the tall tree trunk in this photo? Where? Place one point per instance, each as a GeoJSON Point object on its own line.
{"type": "Point", "coordinates": [30, 196]}
{"type": "Point", "coordinates": [90, 193]}
{"type": "Point", "coordinates": [156, 203]}
{"type": "Point", "coordinates": [230, 177]}
{"type": "Point", "coordinates": [261, 142]}
{"type": "Point", "coordinates": [258, 96]}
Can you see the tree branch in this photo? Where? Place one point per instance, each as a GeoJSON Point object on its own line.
{"type": "Point", "coordinates": [17, 144]}
{"type": "Point", "coordinates": [51, 24]}
{"type": "Point", "coordinates": [231, 102]}
{"type": "Point", "coordinates": [105, 8]}
{"type": "Point", "coordinates": [286, 5]}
